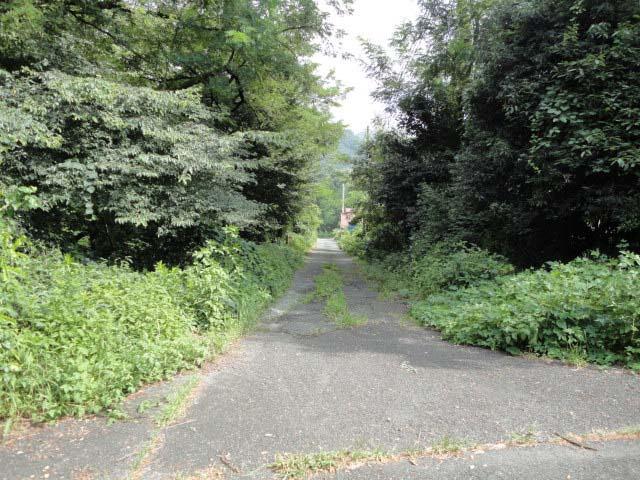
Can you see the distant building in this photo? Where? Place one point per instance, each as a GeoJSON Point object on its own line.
{"type": "Point", "coordinates": [346, 217]}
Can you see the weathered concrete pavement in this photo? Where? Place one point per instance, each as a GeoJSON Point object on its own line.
{"type": "Point", "coordinates": [301, 385]}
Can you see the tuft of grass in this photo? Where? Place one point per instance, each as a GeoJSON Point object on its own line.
{"type": "Point", "coordinates": [330, 287]}
{"type": "Point", "coordinates": [293, 466]}
{"type": "Point", "coordinates": [575, 356]}
{"type": "Point", "coordinates": [632, 430]}
{"type": "Point", "coordinates": [116, 413]}
{"type": "Point", "coordinates": [337, 309]}
{"type": "Point", "coordinates": [177, 402]}
{"type": "Point", "coordinates": [147, 405]}
{"type": "Point", "coordinates": [449, 446]}
{"type": "Point", "coordinates": [527, 437]}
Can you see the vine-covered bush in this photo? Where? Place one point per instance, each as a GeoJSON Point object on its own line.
{"type": "Point", "coordinates": [589, 307]}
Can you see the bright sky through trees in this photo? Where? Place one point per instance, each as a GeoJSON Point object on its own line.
{"type": "Point", "coordinates": [374, 20]}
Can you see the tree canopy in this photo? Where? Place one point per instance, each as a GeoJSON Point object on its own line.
{"type": "Point", "coordinates": [146, 126]}
{"type": "Point", "coordinates": [517, 128]}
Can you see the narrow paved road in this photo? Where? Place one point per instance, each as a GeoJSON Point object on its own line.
{"type": "Point", "coordinates": [301, 385]}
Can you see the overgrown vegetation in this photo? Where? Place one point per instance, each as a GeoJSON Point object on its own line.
{"type": "Point", "coordinates": [582, 311]}
{"type": "Point", "coordinates": [587, 308]}
{"type": "Point", "coordinates": [157, 161]}
{"type": "Point", "coordinates": [330, 288]}
{"type": "Point", "coordinates": [516, 147]}
{"type": "Point", "coordinates": [78, 337]}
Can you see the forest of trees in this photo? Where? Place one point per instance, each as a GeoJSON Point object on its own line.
{"type": "Point", "coordinates": [517, 129]}
{"type": "Point", "coordinates": [145, 127]}
{"type": "Point", "coordinates": [156, 185]}
{"type": "Point", "coordinates": [505, 201]}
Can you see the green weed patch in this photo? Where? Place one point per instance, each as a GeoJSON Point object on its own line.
{"type": "Point", "coordinates": [76, 338]}
{"type": "Point", "coordinates": [330, 288]}
{"type": "Point", "coordinates": [294, 466]}
{"type": "Point", "coordinates": [584, 311]}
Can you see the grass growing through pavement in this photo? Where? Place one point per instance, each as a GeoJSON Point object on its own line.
{"type": "Point", "coordinates": [177, 402]}
{"type": "Point", "coordinates": [527, 437]}
{"type": "Point", "coordinates": [630, 430]}
{"type": "Point", "coordinates": [330, 287]}
{"type": "Point", "coordinates": [175, 406]}
{"type": "Point", "coordinates": [298, 466]}
{"type": "Point", "coordinates": [448, 446]}
{"type": "Point", "coordinates": [291, 466]}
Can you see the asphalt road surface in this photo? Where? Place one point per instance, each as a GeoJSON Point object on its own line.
{"type": "Point", "coordinates": [299, 384]}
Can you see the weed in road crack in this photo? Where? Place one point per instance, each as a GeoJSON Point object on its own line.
{"type": "Point", "coordinates": [290, 466]}
{"type": "Point", "coordinates": [631, 431]}
{"type": "Point", "coordinates": [526, 437]}
{"type": "Point", "coordinates": [298, 466]}
{"type": "Point", "coordinates": [449, 446]}
{"type": "Point", "coordinates": [330, 287]}
{"type": "Point", "coordinates": [177, 402]}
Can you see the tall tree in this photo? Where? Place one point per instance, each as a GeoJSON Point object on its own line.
{"type": "Point", "coordinates": [212, 102]}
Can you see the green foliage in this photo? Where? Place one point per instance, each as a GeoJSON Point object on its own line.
{"type": "Point", "coordinates": [547, 171]}
{"type": "Point", "coordinates": [588, 306]}
{"type": "Point", "coordinates": [147, 128]}
{"type": "Point", "coordinates": [330, 287]}
{"type": "Point", "coordinates": [452, 266]}
{"type": "Point", "coordinates": [518, 129]}
{"type": "Point", "coordinates": [351, 241]}
{"type": "Point", "coordinates": [332, 174]}
{"type": "Point", "coordinates": [305, 231]}
{"type": "Point", "coordinates": [76, 338]}
{"type": "Point", "coordinates": [130, 168]}
{"type": "Point", "coordinates": [428, 268]}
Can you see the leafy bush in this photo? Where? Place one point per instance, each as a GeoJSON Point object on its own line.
{"type": "Point", "coordinates": [76, 338]}
{"type": "Point", "coordinates": [351, 241]}
{"type": "Point", "coordinates": [590, 306]}
{"type": "Point", "coordinates": [427, 269]}
{"type": "Point", "coordinates": [446, 266]}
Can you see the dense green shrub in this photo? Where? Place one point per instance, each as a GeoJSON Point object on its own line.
{"type": "Point", "coordinates": [446, 265]}
{"type": "Point", "coordinates": [590, 306]}
{"type": "Point", "coordinates": [427, 269]}
{"type": "Point", "coordinates": [76, 338]}
{"type": "Point", "coordinates": [351, 241]}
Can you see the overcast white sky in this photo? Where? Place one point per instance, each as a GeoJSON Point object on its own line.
{"type": "Point", "coordinates": [374, 20]}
